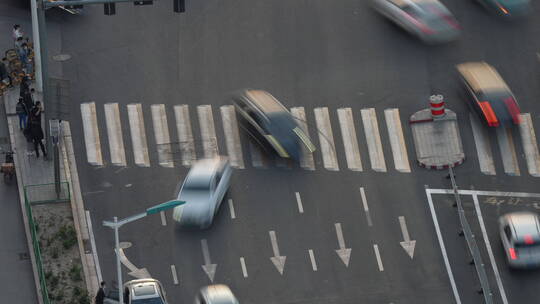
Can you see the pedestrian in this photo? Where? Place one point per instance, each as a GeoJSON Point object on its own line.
{"type": "Point", "coordinates": [18, 45]}
{"type": "Point", "coordinates": [22, 111]}
{"type": "Point", "coordinates": [29, 99]}
{"type": "Point", "coordinates": [37, 137]}
{"type": "Point", "coordinates": [35, 113]}
{"type": "Point", "coordinates": [17, 32]}
{"type": "Point", "coordinates": [100, 296]}
{"type": "Point", "coordinates": [24, 87]}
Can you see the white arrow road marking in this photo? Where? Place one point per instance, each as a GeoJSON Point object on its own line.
{"type": "Point", "coordinates": [312, 258]}
{"type": "Point", "coordinates": [163, 218]}
{"type": "Point", "coordinates": [299, 202]}
{"type": "Point", "coordinates": [343, 253]}
{"type": "Point", "coordinates": [244, 268]}
{"type": "Point", "coordinates": [174, 275]}
{"type": "Point", "coordinates": [366, 208]}
{"type": "Point", "coordinates": [378, 255]}
{"type": "Point", "coordinates": [134, 271]}
{"type": "Point", "coordinates": [231, 209]}
{"type": "Point", "coordinates": [277, 260]}
{"type": "Point", "coordinates": [407, 244]}
{"type": "Point", "coordinates": [208, 267]}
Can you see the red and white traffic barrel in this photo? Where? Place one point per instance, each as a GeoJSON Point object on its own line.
{"type": "Point", "coordinates": [437, 106]}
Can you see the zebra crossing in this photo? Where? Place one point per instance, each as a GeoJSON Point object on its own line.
{"type": "Point", "coordinates": [242, 153]}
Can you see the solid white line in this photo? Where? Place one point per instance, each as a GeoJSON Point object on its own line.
{"type": "Point", "coordinates": [484, 193]}
{"type": "Point", "coordinates": [138, 135]}
{"type": "Point", "coordinates": [373, 138]}
{"type": "Point", "coordinates": [530, 147]}
{"type": "Point", "coordinates": [350, 141]}
{"type": "Point", "coordinates": [489, 250]}
{"type": "Point", "coordinates": [508, 152]}
{"type": "Point", "coordinates": [366, 208]}
{"type": "Point", "coordinates": [244, 268]}
{"type": "Point", "coordinates": [397, 141]}
{"type": "Point", "coordinates": [306, 162]}
{"type": "Point", "coordinates": [326, 139]}
{"type": "Point", "coordinates": [483, 146]}
{"type": "Point", "coordinates": [91, 134]}
{"type": "Point", "coordinates": [231, 209]}
{"type": "Point", "coordinates": [93, 244]}
{"type": "Point", "coordinates": [312, 258]}
{"type": "Point", "coordinates": [299, 202]}
{"type": "Point", "coordinates": [185, 135]}
{"type": "Point", "coordinates": [232, 136]}
{"type": "Point", "coordinates": [163, 218]}
{"type": "Point", "coordinates": [161, 135]}
{"type": "Point", "coordinates": [443, 248]}
{"type": "Point", "coordinates": [114, 132]}
{"type": "Point", "coordinates": [174, 275]}
{"type": "Point", "coordinates": [378, 255]}
{"type": "Point", "coordinates": [208, 131]}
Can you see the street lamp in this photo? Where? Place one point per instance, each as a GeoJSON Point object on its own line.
{"type": "Point", "coordinates": [116, 224]}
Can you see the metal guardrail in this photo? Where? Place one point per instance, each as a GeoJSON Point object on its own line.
{"type": "Point", "coordinates": [471, 244]}
{"type": "Point", "coordinates": [47, 193]}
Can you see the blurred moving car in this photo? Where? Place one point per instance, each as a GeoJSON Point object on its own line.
{"type": "Point", "coordinates": [520, 236]}
{"type": "Point", "coordinates": [144, 291]}
{"type": "Point", "coordinates": [216, 294]}
{"type": "Point", "coordinates": [270, 124]}
{"type": "Point", "coordinates": [508, 8]}
{"type": "Point", "coordinates": [429, 20]}
{"type": "Point", "coordinates": [490, 96]}
{"type": "Point", "coordinates": [203, 190]}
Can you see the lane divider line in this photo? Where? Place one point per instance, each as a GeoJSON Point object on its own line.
{"type": "Point", "coordinates": [244, 268]}
{"type": "Point", "coordinates": [366, 208]}
{"type": "Point", "coordinates": [312, 258]}
{"type": "Point", "coordinates": [299, 202]}
{"type": "Point", "coordinates": [378, 256]}
{"type": "Point", "coordinates": [174, 274]}
{"type": "Point", "coordinates": [231, 209]}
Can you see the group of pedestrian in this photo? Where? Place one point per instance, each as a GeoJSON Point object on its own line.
{"type": "Point", "coordinates": [30, 117]}
{"type": "Point", "coordinates": [22, 47]}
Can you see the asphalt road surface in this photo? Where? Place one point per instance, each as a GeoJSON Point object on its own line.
{"type": "Point", "coordinates": [314, 54]}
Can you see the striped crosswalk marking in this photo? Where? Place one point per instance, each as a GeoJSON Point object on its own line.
{"type": "Point", "coordinates": [397, 141]}
{"type": "Point", "coordinates": [483, 146]}
{"type": "Point", "coordinates": [114, 133]}
{"type": "Point", "coordinates": [161, 134]}
{"type": "Point", "coordinates": [350, 141]}
{"type": "Point", "coordinates": [138, 135]}
{"type": "Point", "coordinates": [528, 140]}
{"type": "Point", "coordinates": [208, 131]}
{"type": "Point", "coordinates": [306, 161]}
{"type": "Point", "coordinates": [185, 134]}
{"type": "Point", "coordinates": [257, 156]}
{"type": "Point", "coordinates": [232, 136]}
{"type": "Point", "coordinates": [91, 134]}
{"type": "Point", "coordinates": [326, 139]}
{"type": "Point", "coordinates": [373, 138]}
{"type": "Point", "coordinates": [508, 152]}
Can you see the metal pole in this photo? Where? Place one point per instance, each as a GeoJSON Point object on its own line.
{"type": "Point", "coordinates": [118, 265]}
{"type": "Point", "coordinates": [37, 48]}
{"type": "Point", "coordinates": [50, 108]}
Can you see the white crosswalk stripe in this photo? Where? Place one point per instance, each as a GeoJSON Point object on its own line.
{"type": "Point", "coordinates": [91, 134]}
{"type": "Point", "coordinates": [114, 134]}
{"type": "Point", "coordinates": [306, 161]}
{"type": "Point", "coordinates": [257, 158]}
{"type": "Point", "coordinates": [232, 136]}
{"type": "Point", "coordinates": [138, 135]}
{"type": "Point", "coordinates": [397, 141]}
{"type": "Point", "coordinates": [483, 146]}
{"type": "Point", "coordinates": [508, 152]}
{"type": "Point", "coordinates": [373, 138]}
{"type": "Point", "coordinates": [528, 140]}
{"type": "Point", "coordinates": [186, 143]}
{"type": "Point", "coordinates": [161, 134]}
{"type": "Point", "coordinates": [208, 131]}
{"type": "Point", "coordinates": [326, 139]}
{"type": "Point", "coordinates": [350, 141]}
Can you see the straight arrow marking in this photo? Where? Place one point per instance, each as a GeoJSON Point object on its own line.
{"type": "Point", "coordinates": [404, 230]}
{"type": "Point", "coordinates": [407, 244]}
{"type": "Point", "coordinates": [277, 260]}
{"type": "Point", "coordinates": [208, 267]}
{"type": "Point", "coordinates": [273, 240]}
{"type": "Point", "coordinates": [343, 253]}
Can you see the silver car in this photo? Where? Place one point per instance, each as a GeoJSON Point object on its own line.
{"type": "Point", "coordinates": [216, 294]}
{"type": "Point", "coordinates": [520, 236]}
{"type": "Point", "coordinates": [203, 190]}
{"type": "Point", "coordinates": [144, 291]}
{"type": "Point", "coordinates": [429, 20]}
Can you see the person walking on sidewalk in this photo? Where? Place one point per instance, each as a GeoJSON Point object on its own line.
{"type": "Point", "coordinates": [17, 32]}
{"type": "Point", "coordinates": [37, 137]}
{"type": "Point", "coordinates": [35, 113]}
{"type": "Point", "coordinates": [100, 296]}
{"type": "Point", "coordinates": [22, 112]}
{"type": "Point", "coordinates": [28, 100]}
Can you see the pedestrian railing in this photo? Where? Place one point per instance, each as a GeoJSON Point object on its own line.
{"type": "Point", "coordinates": [471, 244]}
{"type": "Point", "coordinates": [47, 193]}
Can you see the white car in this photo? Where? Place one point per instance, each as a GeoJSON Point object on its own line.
{"type": "Point", "coordinates": [216, 294]}
{"type": "Point", "coordinates": [520, 236]}
{"type": "Point", "coordinates": [144, 291]}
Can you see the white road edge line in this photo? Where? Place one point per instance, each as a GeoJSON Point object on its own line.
{"type": "Point", "coordinates": [366, 208]}
{"type": "Point", "coordinates": [443, 248]}
{"type": "Point", "coordinates": [244, 268]}
{"type": "Point", "coordinates": [163, 218]}
{"type": "Point", "coordinates": [489, 250]}
{"type": "Point", "coordinates": [231, 209]}
{"type": "Point", "coordinates": [299, 202]}
{"type": "Point", "coordinates": [174, 275]}
{"type": "Point", "coordinates": [378, 256]}
{"type": "Point", "coordinates": [93, 244]}
{"type": "Point", "coordinates": [312, 258]}
{"type": "Point", "coordinates": [485, 193]}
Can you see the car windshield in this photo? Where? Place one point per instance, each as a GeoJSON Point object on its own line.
{"type": "Point", "coordinates": [197, 184]}
{"type": "Point", "coordinates": [521, 245]}
{"type": "Point", "coordinates": [148, 301]}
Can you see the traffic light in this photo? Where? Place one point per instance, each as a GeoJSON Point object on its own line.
{"type": "Point", "coordinates": [179, 6]}
{"type": "Point", "coordinates": [143, 2]}
{"type": "Point", "coordinates": [109, 8]}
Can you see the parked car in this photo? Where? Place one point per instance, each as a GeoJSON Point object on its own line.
{"type": "Point", "coordinates": [489, 95]}
{"type": "Point", "coordinates": [520, 236]}
{"type": "Point", "coordinates": [203, 190]}
{"type": "Point", "coordinates": [428, 20]}
{"type": "Point", "coordinates": [216, 294]}
{"type": "Point", "coordinates": [144, 291]}
{"type": "Point", "coordinates": [270, 124]}
{"type": "Point", "coordinates": [508, 8]}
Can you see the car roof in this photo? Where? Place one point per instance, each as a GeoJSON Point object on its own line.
{"type": "Point", "coordinates": [524, 224]}
{"type": "Point", "coordinates": [219, 294]}
{"type": "Point", "coordinates": [482, 77]}
{"type": "Point", "coordinates": [264, 101]}
{"type": "Point", "coordinates": [143, 289]}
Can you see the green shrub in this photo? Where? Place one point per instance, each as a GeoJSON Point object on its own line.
{"type": "Point", "coordinates": [68, 235]}
{"type": "Point", "coordinates": [75, 273]}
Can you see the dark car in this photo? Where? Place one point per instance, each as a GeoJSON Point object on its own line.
{"type": "Point", "coordinates": [270, 124]}
{"type": "Point", "coordinates": [489, 95]}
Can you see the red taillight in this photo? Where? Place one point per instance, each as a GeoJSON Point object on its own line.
{"type": "Point", "coordinates": [424, 28]}
{"type": "Point", "coordinates": [453, 23]}
{"type": "Point", "coordinates": [528, 239]}
{"type": "Point", "coordinates": [513, 108]}
{"type": "Point", "coordinates": [490, 116]}
{"type": "Point", "coordinates": [513, 254]}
